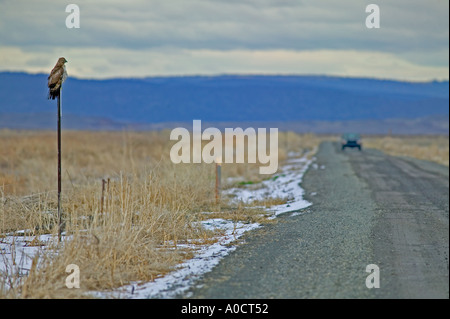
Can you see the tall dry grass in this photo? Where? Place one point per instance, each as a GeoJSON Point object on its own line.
{"type": "Point", "coordinates": [124, 229]}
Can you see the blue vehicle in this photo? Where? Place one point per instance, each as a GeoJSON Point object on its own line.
{"type": "Point", "coordinates": [351, 140]}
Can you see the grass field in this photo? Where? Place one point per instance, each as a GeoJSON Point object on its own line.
{"type": "Point", "coordinates": [430, 148]}
{"type": "Point", "coordinates": [125, 205]}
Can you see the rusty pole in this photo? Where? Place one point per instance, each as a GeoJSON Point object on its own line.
{"type": "Point", "coordinates": [103, 195]}
{"type": "Point", "coordinates": [59, 167]}
{"type": "Point", "coordinates": [218, 178]}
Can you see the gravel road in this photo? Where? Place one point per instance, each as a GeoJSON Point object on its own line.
{"type": "Point", "coordinates": [368, 208]}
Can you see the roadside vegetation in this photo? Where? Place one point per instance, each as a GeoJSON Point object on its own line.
{"type": "Point", "coordinates": [127, 207]}
{"type": "Point", "coordinates": [430, 148]}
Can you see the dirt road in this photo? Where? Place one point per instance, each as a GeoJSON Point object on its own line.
{"type": "Point", "coordinates": [368, 208]}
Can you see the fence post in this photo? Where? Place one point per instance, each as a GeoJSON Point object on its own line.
{"type": "Point", "coordinates": [103, 195]}
{"type": "Point", "coordinates": [218, 179]}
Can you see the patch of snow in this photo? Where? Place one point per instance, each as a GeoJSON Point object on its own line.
{"type": "Point", "coordinates": [181, 279]}
{"type": "Point", "coordinates": [286, 184]}
{"type": "Point", "coordinates": [17, 253]}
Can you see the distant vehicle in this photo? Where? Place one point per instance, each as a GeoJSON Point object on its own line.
{"type": "Point", "coordinates": [351, 140]}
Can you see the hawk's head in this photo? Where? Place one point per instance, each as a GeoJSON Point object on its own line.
{"type": "Point", "coordinates": [61, 61]}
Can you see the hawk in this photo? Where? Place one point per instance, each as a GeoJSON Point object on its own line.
{"type": "Point", "coordinates": [56, 78]}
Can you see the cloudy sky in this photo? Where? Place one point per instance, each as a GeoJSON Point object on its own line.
{"type": "Point", "coordinates": [138, 38]}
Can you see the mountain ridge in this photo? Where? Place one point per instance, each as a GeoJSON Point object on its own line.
{"type": "Point", "coordinates": [227, 98]}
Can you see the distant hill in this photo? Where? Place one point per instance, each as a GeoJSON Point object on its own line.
{"type": "Point", "coordinates": [122, 102]}
{"type": "Point", "coordinates": [433, 125]}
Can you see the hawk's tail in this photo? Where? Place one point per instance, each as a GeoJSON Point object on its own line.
{"type": "Point", "coordinates": [53, 93]}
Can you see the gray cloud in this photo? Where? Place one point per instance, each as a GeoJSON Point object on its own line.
{"type": "Point", "coordinates": [203, 24]}
{"type": "Point", "coordinates": [416, 31]}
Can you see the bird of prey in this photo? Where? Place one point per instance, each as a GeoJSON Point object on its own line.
{"type": "Point", "coordinates": [56, 78]}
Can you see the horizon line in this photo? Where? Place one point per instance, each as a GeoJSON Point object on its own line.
{"type": "Point", "coordinates": [204, 75]}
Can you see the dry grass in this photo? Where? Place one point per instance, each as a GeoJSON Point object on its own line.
{"type": "Point", "coordinates": [129, 230]}
{"type": "Point", "coordinates": [430, 148]}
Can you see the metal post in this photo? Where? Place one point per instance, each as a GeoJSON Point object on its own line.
{"type": "Point", "coordinates": [218, 178]}
{"type": "Point", "coordinates": [59, 167]}
{"type": "Point", "coordinates": [103, 195]}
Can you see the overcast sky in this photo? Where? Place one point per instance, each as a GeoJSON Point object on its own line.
{"type": "Point", "coordinates": [138, 38]}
